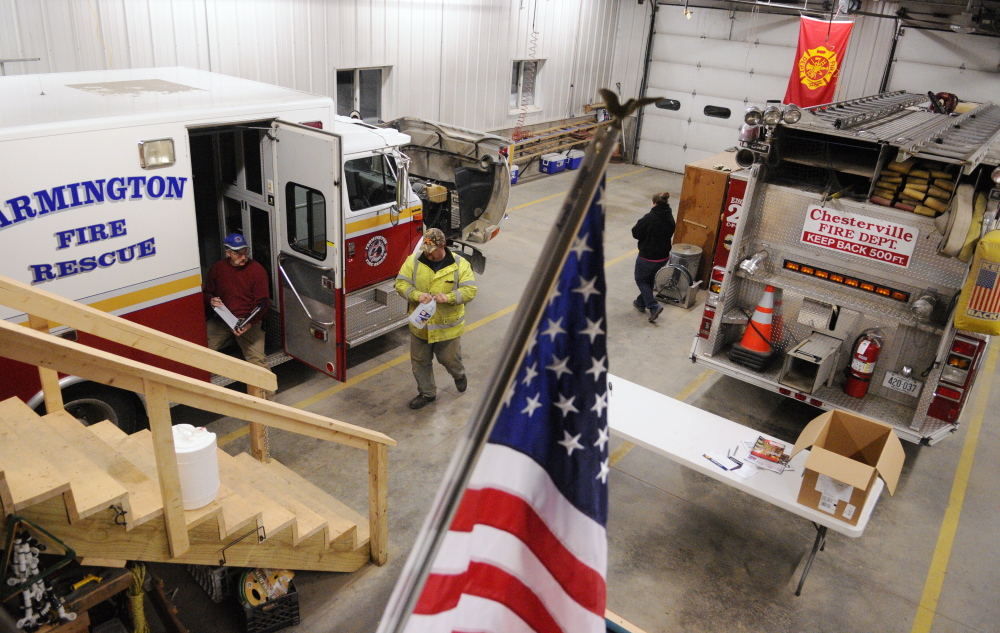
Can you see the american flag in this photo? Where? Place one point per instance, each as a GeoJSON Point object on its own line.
{"type": "Point", "coordinates": [986, 294]}
{"type": "Point", "coordinates": [527, 549]}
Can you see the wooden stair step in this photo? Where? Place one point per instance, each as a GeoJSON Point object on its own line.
{"type": "Point", "coordinates": [346, 525]}
{"type": "Point", "coordinates": [144, 501]}
{"type": "Point", "coordinates": [274, 516]}
{"type": "Point", "coordinates": [236, 512]}
{"type": "Point", "coordinates": [93, 489]}
{"type": "Point", "coordinates": [25, 478]}
{"type": "Point", "coordinates": [307, 521]}
{"type": "Point", "coordinates": [143, 459]}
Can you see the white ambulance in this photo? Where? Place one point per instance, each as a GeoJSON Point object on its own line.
{"type": "Point", "coordinates": [117, 187]}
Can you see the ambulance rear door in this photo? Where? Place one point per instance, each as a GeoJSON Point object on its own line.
{"type": "Point", "coordinates": [311, 293]}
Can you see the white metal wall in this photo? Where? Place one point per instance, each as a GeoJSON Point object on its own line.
{"type": "Point", "coordinates": [867, 54]}
{"type": "Point", "coordinates": [720, 58]}
{"type": "Point", "coordinates": [966, 65]}
{"type": "Point", "coordinates": [450, 60]}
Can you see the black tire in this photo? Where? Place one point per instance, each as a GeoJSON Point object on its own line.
{"type": "Point", "coordinates": [91, 403]}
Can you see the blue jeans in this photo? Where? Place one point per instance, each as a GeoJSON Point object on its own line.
{"type": "Point", "coordinates": [645, 273]}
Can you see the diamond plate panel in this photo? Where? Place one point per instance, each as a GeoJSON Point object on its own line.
{"type": "Point", "coordinates": [373, 311]}
{"type": "Point", "coordinates": [781, 229]}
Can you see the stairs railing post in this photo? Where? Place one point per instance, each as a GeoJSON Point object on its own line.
{"type": "Point", "coordinates": [49, 377]}
{"type": "Point", "coordinates": [260, 446]}
{"type": "Point", "coordinates": [378, 502]}
{"type": "Point", "coordinates": [158, 409]}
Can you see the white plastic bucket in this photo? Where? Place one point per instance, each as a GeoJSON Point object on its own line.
{"type": "Point", "coordinates": [423, 313]}
{"type": "Point", "coordinates": [197, 464]}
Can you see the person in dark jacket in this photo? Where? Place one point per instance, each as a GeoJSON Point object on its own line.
{"type": "Point", "coordinates": [655, 231]}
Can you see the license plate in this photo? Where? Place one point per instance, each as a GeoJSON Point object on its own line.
{"type": "Point", "coordinates": [902, 384]}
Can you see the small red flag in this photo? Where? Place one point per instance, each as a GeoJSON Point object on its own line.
{"type": "Point", "coordinates": [818, 59]}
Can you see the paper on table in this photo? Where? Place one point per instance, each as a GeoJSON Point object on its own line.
{"type": "Point", "coordinates": [747, 471]}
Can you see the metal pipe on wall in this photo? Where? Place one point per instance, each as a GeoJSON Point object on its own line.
{"type": "Point", "coordinates": [645, 79]}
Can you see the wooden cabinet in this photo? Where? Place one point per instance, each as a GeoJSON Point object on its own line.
{"type": "Point", "coordinates": [700, 209]}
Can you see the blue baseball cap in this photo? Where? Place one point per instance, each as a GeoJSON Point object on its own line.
{"type": "Point", "coordinates": [235, 242]}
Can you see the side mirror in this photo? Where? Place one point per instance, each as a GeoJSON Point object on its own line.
{"type": "Point", "coordinates": [402, 184]}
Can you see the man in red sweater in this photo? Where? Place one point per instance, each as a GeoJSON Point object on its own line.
{"type": "Point", "coordinates": [240, 284]}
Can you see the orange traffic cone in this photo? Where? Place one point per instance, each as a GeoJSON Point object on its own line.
{"type": "Point", "coordinates": [755, 349]}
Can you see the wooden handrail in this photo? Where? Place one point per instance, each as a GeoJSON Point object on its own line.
{"type": "Point", "coordinates": [161, 387]}
{"type": "Point", "coordinates": [56, 309]}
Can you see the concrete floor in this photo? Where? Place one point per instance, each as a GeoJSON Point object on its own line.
{"type": "Point", "coordinates": [685, 553]}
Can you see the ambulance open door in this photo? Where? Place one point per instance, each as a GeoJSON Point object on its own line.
{"type": "Point", "coordinates": [307, 172]}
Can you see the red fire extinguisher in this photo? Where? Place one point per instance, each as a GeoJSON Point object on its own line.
{"type": "Point", "coordinates": [864, 354]}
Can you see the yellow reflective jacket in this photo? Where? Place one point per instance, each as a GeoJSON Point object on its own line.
{"type": "Point", "coordinates": [454, 281]}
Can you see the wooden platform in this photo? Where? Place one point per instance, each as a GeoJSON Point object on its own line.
{"type": "Point", "coordinates": [69, 479]}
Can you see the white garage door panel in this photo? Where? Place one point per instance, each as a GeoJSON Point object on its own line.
{"type": "Point", "coordinates": [694, 108]}
{"type": "Point", "coordinates": [668, 157]}
{"type": "Point", "coordinates": [968, 85]}
{"type": "Point", "coordinates": [722, 54]}
{"type": "Point", "coordinates": [949, 49]}
{"type": "Point", "coordinates": [679, 132]}
{"type": "Point", "coordinates": [947, 62]}
{"type": "Point", "coordinates": [757, 88]}
{"type": "Point", "coordinates": [707, 60]}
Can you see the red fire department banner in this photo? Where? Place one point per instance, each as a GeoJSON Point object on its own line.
{"type": "Point", "coordinates": [822, 45]}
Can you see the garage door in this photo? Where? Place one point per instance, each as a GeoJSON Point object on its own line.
{"type": "Point", "coordinates": [717, 58]}
{"type": "Point", "coordinates": [939, 61]}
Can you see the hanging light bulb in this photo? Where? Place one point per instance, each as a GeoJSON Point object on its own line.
{"type": "Point", "coordinates": [687, 12]}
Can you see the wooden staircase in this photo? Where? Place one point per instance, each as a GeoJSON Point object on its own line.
{"type": "Point", "coordinates": [113, 497]}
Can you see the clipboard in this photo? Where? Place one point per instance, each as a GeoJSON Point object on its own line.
{"type": "Point", "coordinates": [232, 320]}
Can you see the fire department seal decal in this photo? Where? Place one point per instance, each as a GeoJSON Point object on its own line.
{"type": "Point", "coordinates": [817, 66]}
{"type": "Point", "coordinates": [376, 250]}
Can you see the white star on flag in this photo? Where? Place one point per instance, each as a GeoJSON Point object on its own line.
{"type": "Point", "coordinates": [580, 245]}
{"type": "Point", "coordinates": [597, 368]}
{"type": "Point", "coordinates": [601, 403]}
{"type": "Point", "coordinates": [603, 475]}
{"type": "Point", "coordinates": [570, 442]}
{"type": "Point", "coordinates": [566, 405]}
{"type": "Point", "coordinates": [602, 438]}
{"type": "Point", "coordinates": [510, 394]}
{"type": "Point", "coordinates": [593, 329]}
{"type": "Point", "coordinates": [586, 288]}
{"type": "Point", "coordinates": [560, 366]}
{"type": "Point", "coordinates": [532, 404]}
{"type": "Point", "coordinates": [529, 374]}
{"type": "Point", "coordinates": [554, 329]}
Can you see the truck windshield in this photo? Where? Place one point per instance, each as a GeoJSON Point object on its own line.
{"type": "Point", "coordinates": [370, 182]}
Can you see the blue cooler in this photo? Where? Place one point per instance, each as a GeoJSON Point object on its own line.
{"type": "Point", "coordinates": [574, 159]}
{"type": "Point", "coordinates": [514, 172]}
{"type": "Point", "coordinates": [547, 164]}
{"type": "Point", "coordinates": [552, 164]}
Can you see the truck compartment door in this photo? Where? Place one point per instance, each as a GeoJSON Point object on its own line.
{"type": "Point", "coordinates": [307, 168]}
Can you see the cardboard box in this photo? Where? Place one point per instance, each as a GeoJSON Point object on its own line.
{"type": "Point", "coordinates": [848, 452]}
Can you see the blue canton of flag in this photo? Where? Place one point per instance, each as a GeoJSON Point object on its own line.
{"type": "Point", "coordinates": [986, 279]}
{"type": "Point", "coordinates": [527, 549]}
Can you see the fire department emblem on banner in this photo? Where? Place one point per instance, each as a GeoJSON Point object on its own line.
{"type": "Point", "coordinates": [817, 66]}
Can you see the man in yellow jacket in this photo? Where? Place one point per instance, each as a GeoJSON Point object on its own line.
{"type": "Point", "coordinates": [439, 275]}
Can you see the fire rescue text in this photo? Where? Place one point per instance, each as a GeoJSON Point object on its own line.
{"type": "Point", "coordinates": [80, 194]}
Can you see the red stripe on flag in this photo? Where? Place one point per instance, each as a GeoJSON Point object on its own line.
{"type": "Point", "coordinates": [512, 514]}
{"type": "Point", "coordinates": [442, 593]}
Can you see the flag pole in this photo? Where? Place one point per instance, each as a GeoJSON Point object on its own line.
{"type": "Point", "coordinates": [544, 277]}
